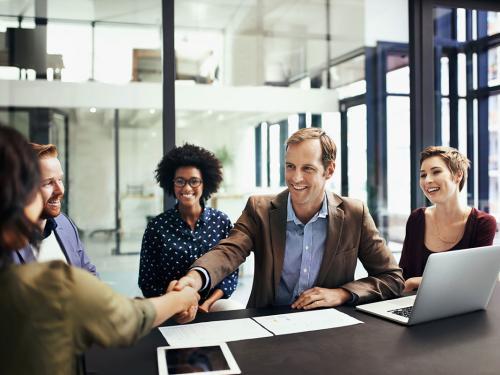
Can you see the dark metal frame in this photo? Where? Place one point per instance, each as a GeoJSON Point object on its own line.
{"type": "Point", "coordinates": [258, 153]}
{"type": "Point", "coordinates": [376, 77]}
{"type": "Point", "coordinates": [424, 107]}
{"type": "Point", "coordinates": [169, 71]}
{"type": "Point", "coordinates": [425, 125]}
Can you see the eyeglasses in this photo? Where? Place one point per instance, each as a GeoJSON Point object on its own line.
{"type": "Point", "coordinates": [193, 182]}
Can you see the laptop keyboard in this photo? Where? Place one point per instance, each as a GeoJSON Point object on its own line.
{"type": "Point", "coordinates": [405, 311]}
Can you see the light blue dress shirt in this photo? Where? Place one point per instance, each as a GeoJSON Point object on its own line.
{"type": "Point", "coordinates": [304, 248]}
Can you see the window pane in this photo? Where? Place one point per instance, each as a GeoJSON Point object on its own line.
{"type": "Point", "coordinates": [293, 124]}
{"type": "Point", "coordinates": [462, 139]}
{"type": "Point", "coordinates": [73, 44]}
{"type": "Point", "coordinates": [462, 74]}
{"type": "Point", "coordinates": [274, 155]}
{"type": "Point", "coordinates": [493, 66]}
{"type": "Point", "coordinates": [445, 86]}
{"type": "Point", "coordinates": [493, 23]}
{"type": "Point", "coordinates": [331, 125]}
{"type": "Point", "coordinates": [356, 152]}
{"type": "Point", "coordinates": [117, 57]}
{"type": "Point", "coordinates": [494, 157]}
{"type": "Point", "coordinates": [461, 32]}
{"type": "Point", "coordinates": [263, 156]}
{"type": "Point", "coordinates": [445, 122]}
{"type": "Point", "coordinates": [398, 81]}
{"type": "Point", "coordinates": [398, 166]}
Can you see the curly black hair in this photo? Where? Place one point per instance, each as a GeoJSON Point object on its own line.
{"type": "Point", "coordinates": [20, 176]}
{"type": "Point", "coordinates": [190, 155]}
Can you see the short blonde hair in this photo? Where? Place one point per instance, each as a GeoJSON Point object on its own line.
{"type": "Point", "coordinates": [454, 160]}
{"type": "Point", "coordinates": [328, 147]}
{"type": "Point", "coordinates": [44, 151]}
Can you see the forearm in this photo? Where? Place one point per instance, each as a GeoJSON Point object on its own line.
{"type": "Point", "coordinates": [215, 296]}
{"type": "Point", "coordinates": [224, 259]}
{"type": "Point", "coordinates": [382, 286]}
{"type": "Point", "coordinates": [165, 307]}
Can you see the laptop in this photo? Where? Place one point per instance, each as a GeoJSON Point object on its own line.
{"type": "Point", "coordinates": [453, 283]}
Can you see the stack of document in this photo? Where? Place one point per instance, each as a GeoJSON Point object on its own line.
{"type": "Point", "coordinates": [252, 328]}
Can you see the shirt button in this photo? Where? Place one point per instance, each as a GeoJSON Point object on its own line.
{"type": "Point", "coordinates": [307, 247]}
{"type": "Point", "coordinates": [305, 270]}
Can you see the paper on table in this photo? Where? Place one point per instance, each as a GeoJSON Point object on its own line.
{"type": "Point", "coordinates": [283, 324]}
{"type": "Point", "coordinates": [213, 332]}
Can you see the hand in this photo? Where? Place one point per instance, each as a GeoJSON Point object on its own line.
{"type": "Point", "coordinates": [187, 315]}
{"type": "Point", "coordinates": [175, 303]}
{"type": "Point", "coordinates": [205, 307]}
{"type": "Point", "coordinates": [186, 312]}
{"type": "Point", "coordinates": [185, 298]}
{"type": "Point", "coordinates": [321, 297]}
{"type": "Point", "coordinates": [216, 295]}
{"type": "Point", "coordinates": [192, 279]}
{"type": "Point", "coordinates": [411, 284]}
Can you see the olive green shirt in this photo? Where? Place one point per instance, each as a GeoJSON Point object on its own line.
{"type": "Point", "coordinates": [51, 312]}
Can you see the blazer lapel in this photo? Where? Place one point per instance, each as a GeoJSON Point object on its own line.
{"type": "Point", "coordinates": [65, 243]}
{"type": "Point", "coordinates": [335, 226]}
{"type": "Point", "coordinates": [25, 255]}
{"type": "Point", "coordinates": [277, 222]}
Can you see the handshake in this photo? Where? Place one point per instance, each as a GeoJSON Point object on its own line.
{"type": "Point", "coordinates": [187, 286]}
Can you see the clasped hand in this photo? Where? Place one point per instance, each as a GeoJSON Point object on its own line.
{"type": "Point", "coordinates": [177, 285]}
{"type": "Point", "coordinates": [321, 297]}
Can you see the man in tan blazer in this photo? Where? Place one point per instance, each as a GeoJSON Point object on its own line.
{"type": "Point", "coordinates": [306, 240]}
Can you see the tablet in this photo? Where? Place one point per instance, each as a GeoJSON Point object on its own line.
{"type": "Point", "coordinates": [204, 359]}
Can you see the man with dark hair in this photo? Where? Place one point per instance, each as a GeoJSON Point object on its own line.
{"type": "Point", "coordinates": [60, 235]}
{"type": "Point", "coordinates": [306, 240]}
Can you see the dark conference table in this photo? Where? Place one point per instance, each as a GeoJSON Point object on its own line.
{"type": "Point", "coordinates": [465, 344]}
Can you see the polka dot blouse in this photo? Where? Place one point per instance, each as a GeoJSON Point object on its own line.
{"type": "Point", "coordinates": [170, 247]}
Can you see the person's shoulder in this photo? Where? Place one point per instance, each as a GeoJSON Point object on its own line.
{"type": "Point", "coordinates": [162, 218]}
{"type": "Point", "coordinates": [417, 213]}
{"type": "Point", "coordinates": [217, 214]}
{"type": "Point", "coordinates": [63, 219]}
{"type": "Point", "coordinates": [266, 200]}
{"type": "Point", "coordinates": [348, 204]}
{"type": "Point", "coordinates": [484, 218]}
{"type": "Point", "coordinates": [46, 277]}
{"type": "Point", "coordinates": [262, 198]}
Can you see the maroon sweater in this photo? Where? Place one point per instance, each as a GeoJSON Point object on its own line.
{"type": "Point", "coordinates": [479, 231]}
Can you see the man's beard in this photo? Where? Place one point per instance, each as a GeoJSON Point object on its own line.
{"type": "Point", "coordinates": [48, 213]}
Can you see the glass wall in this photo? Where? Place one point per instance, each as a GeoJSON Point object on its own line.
{"type": "Point", "coordinates": [93, 104]}
{"type": "Point", "coordinates": [468, 45]}
{"type": "Point", "coordinates": [258, 45]}
{"type": "Point", "coordinates": [270, 44]}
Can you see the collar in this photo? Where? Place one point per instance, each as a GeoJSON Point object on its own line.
{"type": "Point", "coordinates": [290, 213]}
{"type": "Point", "coordinates": [204, 216]}
{"type": "Point", "coordinates": [50, 225]}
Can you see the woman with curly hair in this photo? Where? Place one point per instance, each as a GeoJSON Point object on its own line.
{"type": "Point", "coordinates": [52, 312]}
{"type": "Point", "coordinates": [174, 239]}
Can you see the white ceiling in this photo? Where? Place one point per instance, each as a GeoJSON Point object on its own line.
{"type": "Point", "coordinates": [129, 11]}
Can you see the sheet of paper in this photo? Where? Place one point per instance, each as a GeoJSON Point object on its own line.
{"type": "Point", "coordinates": [283, 324]}
{"type": "Point", "coordinates": [213, 332]}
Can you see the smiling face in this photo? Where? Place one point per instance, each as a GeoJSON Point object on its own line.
{"type": "Point", "coordinates": [188, 196]}
{"type": "Point", "coordinates": [305, 174]}
{"type": "Point", "coordinates": [52, 187]}
{"type": "Point", "coordinates": [437, 182]}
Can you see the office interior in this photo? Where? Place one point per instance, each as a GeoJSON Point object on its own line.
{"type": "Point", "coordinates": [114, 85]}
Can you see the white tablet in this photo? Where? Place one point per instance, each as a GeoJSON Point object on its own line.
{"type": "Point", "coordinates": [205, 359]}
